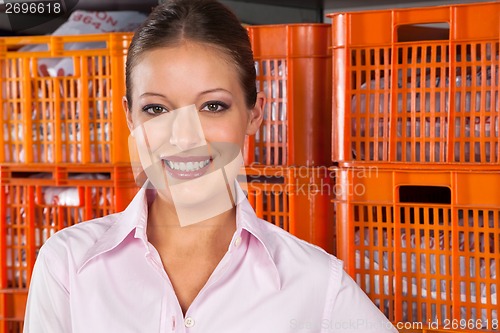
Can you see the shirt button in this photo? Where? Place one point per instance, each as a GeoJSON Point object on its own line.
{"type": "Point", "coordinates": [189, 322]}
{"type": "Point", "coordinates": [237, 241]}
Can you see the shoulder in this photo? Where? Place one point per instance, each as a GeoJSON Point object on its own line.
{"type": "Point", "coordinates": [312, 272]}
{"type": "Point", "coordinates": [297, 257]}
{"type": "Point", "coordinates": [75, 241]}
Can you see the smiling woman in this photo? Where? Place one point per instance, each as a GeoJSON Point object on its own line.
{"type": "Point", "coordinates": [211, 133]}
{"type": "Point", "coordinates": [189, 252]}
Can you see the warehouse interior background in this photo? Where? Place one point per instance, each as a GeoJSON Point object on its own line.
{"type": "Point", "coordinates": [252, 12]}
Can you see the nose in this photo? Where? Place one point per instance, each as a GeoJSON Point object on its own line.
{"type": "Point", "coordinates": [187, 132]}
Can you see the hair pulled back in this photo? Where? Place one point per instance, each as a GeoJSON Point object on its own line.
{"type": "Point", "coordinates": [204, 21]}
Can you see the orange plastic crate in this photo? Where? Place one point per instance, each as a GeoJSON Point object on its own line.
{"type": "Point", "coordinates": [75, 118]}
{"type": "Point", "coordinates": [295, 199]}
{"type": "Point", "coordinates": [32, 209]}
{"type": "Point", "coordinates": [12, 307]}
{"type": "Point", "coordinates": [417, 85]}
{"type": "Point", "coordinates": [423, 244]}
{"type": "Point", "coordinates": [293, 65]}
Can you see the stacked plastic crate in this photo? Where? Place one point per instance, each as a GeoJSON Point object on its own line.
{"type": "Point", "coordinates": [288, 180]}
{"type": "Point", "coordinates": [63, 156]}
{"type": "Point", "coordinates": [416, 113]}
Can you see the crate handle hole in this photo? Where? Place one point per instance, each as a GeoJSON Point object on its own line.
{"type": "Point", "coordinates": [31, 175]}
{"type": "Point", "coordinates": [422, 32]}
{"type": "Point", "coordinates": [424, 194]}
{"type": "Point", "coordinates": [81, 175]}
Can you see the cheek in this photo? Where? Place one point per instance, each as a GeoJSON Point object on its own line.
{"type": "Point", "coordinates": [155, 133]}
{"type": "Point", "coordinates": [137, 118]}
{"type": "Point", "coordinates": [229, 130]}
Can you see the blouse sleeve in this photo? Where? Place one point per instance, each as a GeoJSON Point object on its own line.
{"type": "Point", "coordinates": [349, 309]}
{"type": "Point", "coordinates": [48, 308]}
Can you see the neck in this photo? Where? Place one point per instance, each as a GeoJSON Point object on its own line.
{"type": "Point", "coordinates": [202, 238]}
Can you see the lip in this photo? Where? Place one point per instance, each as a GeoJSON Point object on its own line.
{"type": "Point", "coordinates": [186, 175]}
{"type": "Point", "coordinates": [185, 159]}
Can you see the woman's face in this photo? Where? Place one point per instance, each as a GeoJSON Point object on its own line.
{"type": "Point", "coordinates": [189, 111]}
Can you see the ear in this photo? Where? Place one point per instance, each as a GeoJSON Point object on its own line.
{"type": "Point", "coordinates": [128, 114]}
{"type": "Point", "coordinates": [256, 114]}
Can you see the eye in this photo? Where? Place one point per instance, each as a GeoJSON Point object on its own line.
{"type": "Point", "coordinates": [154, 109]}
{"type": "Point", "coordinates": [214, 106]}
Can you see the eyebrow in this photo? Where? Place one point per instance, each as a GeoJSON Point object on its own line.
{"type": "Point", "coordinates": [153, 94]}
{"type": "Point", "coordinates": [201, 93]}
{"type": "Point", "coordinates": [214, 90]}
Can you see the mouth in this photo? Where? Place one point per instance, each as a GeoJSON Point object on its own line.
{"type": "Point", "coordinates": [186, 167]}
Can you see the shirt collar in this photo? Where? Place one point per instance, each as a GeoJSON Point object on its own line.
{"type": "Point", "coordinates": [135, 216]}
{"type": "Point", "coordinates": [246, 219]}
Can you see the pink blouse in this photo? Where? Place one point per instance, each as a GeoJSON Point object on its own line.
{"type": "Point", "coordinates": [104, 276]}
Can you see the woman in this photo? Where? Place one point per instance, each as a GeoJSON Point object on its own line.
{"type": "Point", "coordinates": [171, 262]}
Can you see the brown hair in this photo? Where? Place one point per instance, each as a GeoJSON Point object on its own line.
{"type": "Point", "coordinates": [205, 21]}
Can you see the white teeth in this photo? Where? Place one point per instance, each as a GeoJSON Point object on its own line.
{"type": "Point", "coordinates": [189, 166]}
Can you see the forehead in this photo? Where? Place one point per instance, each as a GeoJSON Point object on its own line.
{"type": "Point", "coordinates": [189, 65]}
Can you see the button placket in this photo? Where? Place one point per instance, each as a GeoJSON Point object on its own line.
{"type": "Point", "coordinates": [189, 322]}
{"type": "Point", "coordinates": [237, 241]}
